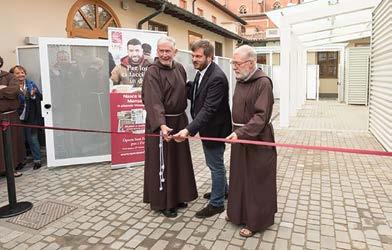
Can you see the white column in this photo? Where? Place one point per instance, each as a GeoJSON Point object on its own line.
{"type": "Point", "coordinates": [304, 74]}
{"type": "Point", "coordinates": [270, 59]}
{"type": "Point", "coordinates": [293, 75]}
{"type": "Point", "coordinates": [284, 75]}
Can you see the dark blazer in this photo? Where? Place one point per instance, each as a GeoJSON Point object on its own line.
{"type": "Point", "coordinates": [211, 106]}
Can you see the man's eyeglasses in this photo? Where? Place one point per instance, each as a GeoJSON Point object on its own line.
{"type": "Point", "coordinates": [234, 63]}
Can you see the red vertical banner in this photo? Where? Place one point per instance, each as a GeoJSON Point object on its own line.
{"type": "Point", "coordinates": [128, 118]}
{"type": "Point", "coordinates": [130, 54]}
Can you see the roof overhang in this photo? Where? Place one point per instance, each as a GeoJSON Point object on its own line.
{"type": "Point", "coordinates": [191, 18]}
{"type": "Point", "coordinates": [321, 22]}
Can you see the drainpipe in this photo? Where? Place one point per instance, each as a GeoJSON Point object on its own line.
{"type": "Point", "coordinates": [193, 6]}
{"type": "Point", "coordinates": [156, 13]}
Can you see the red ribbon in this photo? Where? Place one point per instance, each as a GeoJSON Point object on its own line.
{"type": "Point", "coordinates": [5, 125]}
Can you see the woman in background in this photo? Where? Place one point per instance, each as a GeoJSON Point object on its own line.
{"type": "Point", "coordinates": [29, 111]}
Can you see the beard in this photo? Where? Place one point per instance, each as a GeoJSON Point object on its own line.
{"type": "Point", "coordinates": [136, 59]}
{"type": "Point", "coordinates": [200, 66]}
{"type": "Point", "coordinates": [242, 76]}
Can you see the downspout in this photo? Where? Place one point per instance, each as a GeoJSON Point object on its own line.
{"type": "Point", "coordinates": [147, 18]}
{"type": "Point", "coordinates": [193, 6]}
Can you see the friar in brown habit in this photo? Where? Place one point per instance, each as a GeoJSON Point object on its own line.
{"type": "Point", "coordinates": [252, 192]}
{"type": "Point", "coordinates": [9, 91]}
{"type": "Point", "coordinates": [169, 180]}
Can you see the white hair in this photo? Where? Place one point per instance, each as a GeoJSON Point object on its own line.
{"type": "Point", "coordinates": [247, 51]}
{"type": "Point", "coordinates": [167, 39]}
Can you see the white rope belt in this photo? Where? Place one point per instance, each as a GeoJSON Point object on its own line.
{"type": "Point", "coordinates": [161, 157]}
{"type": "Point", "coordinates": [8, 112]}
{"type": "Point", "coordinates": [161, 162]}
{"type": "Point", "coordinates": [238, 124]}
{"type": "Point", "coordinates": [174, 115]}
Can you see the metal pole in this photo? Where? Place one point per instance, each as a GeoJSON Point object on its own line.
{"type": "Point", "coordinates": [13, 208]}
{"type": "Point", "coordinates": [9, 166]}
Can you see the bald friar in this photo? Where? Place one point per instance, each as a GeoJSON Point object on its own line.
{"type": "Point", "coordinates": [252, 192]}
{"type": "Point", "coordinates": [169, 181]}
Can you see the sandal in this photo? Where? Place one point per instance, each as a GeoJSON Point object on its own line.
{"type": "Point", "coordinates": [17, 174]}
{"type": "Point", "coordinates": [244, 232]}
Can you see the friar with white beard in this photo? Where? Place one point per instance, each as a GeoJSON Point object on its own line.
{"type": "Point", "coordinates": [169, 180]}
{"type": "Point", "coordinates": [252, 192]}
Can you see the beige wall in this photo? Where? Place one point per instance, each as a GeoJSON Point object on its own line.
{"type": "Point", "coordinates": [179, 30]}
{"type": "Point", "coordinates": [54, 25]}
{"type": "Point", "coordinates": [312, 59]}
{"type": "Point", "coordinates": [228, 47]}
{"type": "Point", "coordinates": [328, 86]}
{"type": "Point", "coordinates": [275, 59]}
{"type": "Point", "coordinates": [210, 10]}
{"type": "Point", "coordinates": [359, 42]}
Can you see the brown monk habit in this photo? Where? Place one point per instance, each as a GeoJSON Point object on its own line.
{"type": "Point", "coordinates": [252, 190]}
{"type": "Point", "coordinates": [9, 102]}
{"type": "Point", "coordinates": [164, 97]}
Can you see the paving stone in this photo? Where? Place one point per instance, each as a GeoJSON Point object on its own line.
{"type": "Point", "coordinates": [219, 244]}
{"type": "Point", "coordinates": [135, 241]}
{"type": "Point", "coordinates": [251, 243]}
{"type": "Point", "coordinates": [269, 235]}
{"type": "Point", "coordinates": [184, 234]}
{"type": "Point", "coordinates": [298, 239]}
{"type": "Point", "coordinates": [281, 244]}
{"type": "Point", "coordinates": [325, 200]}
{"type": "Point", "coordinates": [161, 244]}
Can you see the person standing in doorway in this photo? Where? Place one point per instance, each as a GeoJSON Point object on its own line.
{"type": "Point", "coordinates": [209, 95]}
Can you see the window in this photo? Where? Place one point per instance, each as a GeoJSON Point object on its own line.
{"type": "Point", "coordinates": [183, 4]}
{"type": "Point", "coordinates": [276, 5]}
{"type": "Point", "coordinates": [243, 10]}
{"type": "Point", "coordinates": [261, 59]}
{"type": "Point", "coordinates": [90, 19]}
{"type": "Point", "coordinates": [192, 37]}
{"type": "Point", "coordinates": [218, 49]}
{"type": "Point", "coordinates": [213, 18]}
{"type": "Point", "coordinates": [200, 12]}
{"type": "Point", "coordinates": [328, 62]}
{"type": "Point", "coordinates": [243, 29]}
{"type": "Point", "coordinates": [157, 26]}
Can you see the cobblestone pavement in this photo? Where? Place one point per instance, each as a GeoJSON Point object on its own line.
{"type": "Point", "coordinates": [325, 200]}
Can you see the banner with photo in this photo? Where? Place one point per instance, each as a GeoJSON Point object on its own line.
{"type": "Point", "coordinates": [130, 53]}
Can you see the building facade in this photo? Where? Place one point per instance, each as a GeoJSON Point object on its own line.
{"type": "Point", "coordinates": [90, 19]}
{"type": "Point", "coordinates": [259, 27]}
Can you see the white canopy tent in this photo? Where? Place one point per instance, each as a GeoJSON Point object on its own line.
{"type": "Point", "coordinates": [311, 25]}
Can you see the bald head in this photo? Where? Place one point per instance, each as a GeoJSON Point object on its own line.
{"type": "Point", "coordinates": [166, 50]}
{"type": "Point", "coordinates": [167, 39]}
{"type": "Point", "coordinates": [244, 61]}
{"type": "Point", "coordinates": [246, 52]}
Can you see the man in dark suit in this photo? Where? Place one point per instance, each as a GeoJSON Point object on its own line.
{"type": "Point", "coordinates": [209, 95]}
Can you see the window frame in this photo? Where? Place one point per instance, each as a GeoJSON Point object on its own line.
{"type": "Point", "coordinates": [332, 60]}
{"type": "Point", "coordinates": [217, 50]}
{"type": "Point", "coordinates": [200, 12]}
{"type": "Point", "coordinates": [94, 32]}
{"type": "Point", "coordinates": [276, 5]}
{"type": "Point", "coordinates": [157, 25]}
{"type": "Point", "coordinates": [193, 34]}
{"type": "Point", "coordinates": [182, 4]}
{"type": "Point", "coordinates": [214, 19]}
{"type": "Point", "coordinates": [243, 9]}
